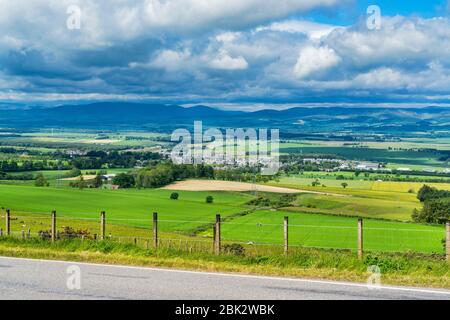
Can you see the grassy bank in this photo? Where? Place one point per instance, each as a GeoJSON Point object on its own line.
{"type": "Point", "coordinates": [407, 269]}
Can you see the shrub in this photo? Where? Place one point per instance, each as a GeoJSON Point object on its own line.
{"type": "Point", "coordinates": [235, 249]}
{"type": "Point", "coordinates": [41, 181]}
{"type": "Point", "coordinates": [209, 199]}
{"type": "Point", "coordinates": [69, 233]}
{"type": "Point", "coordinates": [174, 196]}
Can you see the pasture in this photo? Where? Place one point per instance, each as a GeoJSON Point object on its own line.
{"type": "Point", "coordinates": [129, 213]}
{"type": "Point", "coordinates": [324, 231]}
{"type": "Point", "coordinates": [130, 207]}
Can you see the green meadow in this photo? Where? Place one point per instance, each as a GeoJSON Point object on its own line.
{"type": "Point", "coordinates": [124, 207]}
{"type": "Point", "coordinates": [325, 231]}
{"type": "Point", "coordinates": [129, 213]}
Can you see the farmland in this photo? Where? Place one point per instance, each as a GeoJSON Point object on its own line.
{"type": "Point", "coordinates": [322, 214]}
{"type": "Point", "coordinates": [129, 213]}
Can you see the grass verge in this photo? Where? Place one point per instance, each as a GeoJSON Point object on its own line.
{"type": "Point", "coordinates": [404, 269]}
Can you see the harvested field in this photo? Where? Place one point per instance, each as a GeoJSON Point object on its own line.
{"type": "Point", "coordinates": [85, 177]}
{"type": "Point", "coordinates": [215, 185]}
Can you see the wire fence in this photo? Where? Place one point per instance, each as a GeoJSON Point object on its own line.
{"type": "Point", "coordinates": [247, 234]}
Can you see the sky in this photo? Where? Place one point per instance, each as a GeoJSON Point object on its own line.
{"type": "Point", "coordinates": [234, 53]}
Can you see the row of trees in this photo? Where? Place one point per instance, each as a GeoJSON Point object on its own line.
{"type": "Point", "coordinates": [30, 165]}
{"type": "Point", "coordinates": [113, 159]}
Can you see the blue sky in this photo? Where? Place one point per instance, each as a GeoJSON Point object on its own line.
{"type": "Point", "coordinates": [235, 53]}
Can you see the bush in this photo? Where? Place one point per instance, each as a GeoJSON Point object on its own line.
{"type": "Point", "coordinates": [234, 249]}
{"type": "Point", "coordinates": [41, 181]}
{"type": "Point", "coordinates": [209, 199]}
{"type": "Point", "coordinates": [69, 233]}
{"type": "Point", "coordinates": [174, 196]}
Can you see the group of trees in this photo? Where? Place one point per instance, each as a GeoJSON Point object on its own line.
{"type": "Point", "coordinates": [436, 205]}
{"type": "Point", "coordinates": [113, 159]}
{"type": "Point", "coordinates": [163, 174]}
{"type": "Point", "coordinates": [32, 165]}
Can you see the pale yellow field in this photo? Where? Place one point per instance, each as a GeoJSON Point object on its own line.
{"type": "Point", "coordinates": [85, 177]}
{"type": "Point", "coordinates": [217, 185]}
{"type": "Point", "coordinates": [406, 186]}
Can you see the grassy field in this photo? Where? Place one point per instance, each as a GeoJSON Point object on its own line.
{"type": "Point", "coordinates": [324, 231]}
{"type": "Point", "coordinates": [190, 214]}
{"type": "Point", "coordinates": [124, 207]}
{"type": "Point", "coordinates": [374, 199]}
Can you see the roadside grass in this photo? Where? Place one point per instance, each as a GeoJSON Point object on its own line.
{"type": "Point", "coordinates": [398, 269]}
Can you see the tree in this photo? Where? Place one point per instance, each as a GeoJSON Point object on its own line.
{"type": "Point", "coordinates": [209, 199]}
{"type": "Point", "coordinates": [124, 180]}
{"type": "Point", "coordinates": [315, 183]}
{"type": "Point", "coordinates": [433, 211]}
{"type": "Point", "coordinates": [174, 196]}
{"type": "Point", "coordinates": [74, 172]}
{"type": "Point", "coordinates": [344, 185]}
{"type": "Point", "coordinates": [429, 193]}
{"type": "Point", "coordinates": [98, 181]}
{"type": "Point", "coordinates": [41, 181]}
{"type": "Point", "coordinates": [82, 184]}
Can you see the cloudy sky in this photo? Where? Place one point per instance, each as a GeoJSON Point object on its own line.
{"type": "Point", "coordinates": [225, 52]}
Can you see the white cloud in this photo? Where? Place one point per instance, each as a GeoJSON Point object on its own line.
{"type": "Point", "coordinates": [171, 60]}
{"type": "Point", "coordinates": [315, 60]}
{"type": "Point", "coordinates": [311, 29]}
{"type": "Point", "coordinates": [225, 62]}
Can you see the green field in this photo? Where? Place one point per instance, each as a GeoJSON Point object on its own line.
{"type": "Point", "coordinates": [127, 207]}
{"type": "Point", "coordinates": [31, 208]}
{"type": "Point", "coordinates": [324, 231]}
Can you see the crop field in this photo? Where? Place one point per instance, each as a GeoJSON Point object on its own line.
{"type": "Point", "coordinates": [374, 199]}
{"type": "Point", "coordinates": [324, 231]}
{"type": "Point", "coordinates": [404, 157]}
{"type": "Point", "coordinates": [126, 207]}
{"type": "Point", "coordinates": [394, 186]}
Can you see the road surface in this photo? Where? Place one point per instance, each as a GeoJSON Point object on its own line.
{"type": "Point", "coordinates": [41, 279]}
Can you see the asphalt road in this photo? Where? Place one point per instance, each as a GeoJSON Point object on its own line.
{"type": "Point", "coordinates": [40, 279]}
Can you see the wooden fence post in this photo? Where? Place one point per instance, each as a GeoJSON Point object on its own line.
{"type": "Point", "coordinates": [155, 230]}
{"type": "Point", "coordinates": [102, 225]}
{"type": "Point", "coordinates": [447, 242]}
{"type": "Point", "coordinates": [8, 222]}
{"type": "Point", "coordinates": [217, 234]}
{"type": "Point", "coordinates": [360, 239]}
{"type": "Point", "coordinates": [1, 232]}
{"type": "Point", "coordinates": [53, 226]}
{"type": "Point", "coordinates": [214, 236]}
{"type": "Point", "coordinates": [23, 234]}
{"type": "Point", "coordinates": [286, 235]}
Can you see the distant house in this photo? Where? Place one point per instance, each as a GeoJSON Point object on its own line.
{"type": "Point", "coordinates": [108, 177]}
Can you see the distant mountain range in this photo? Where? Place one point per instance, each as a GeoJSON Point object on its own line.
{"type": "Point", "coordinates": [159, 117]}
